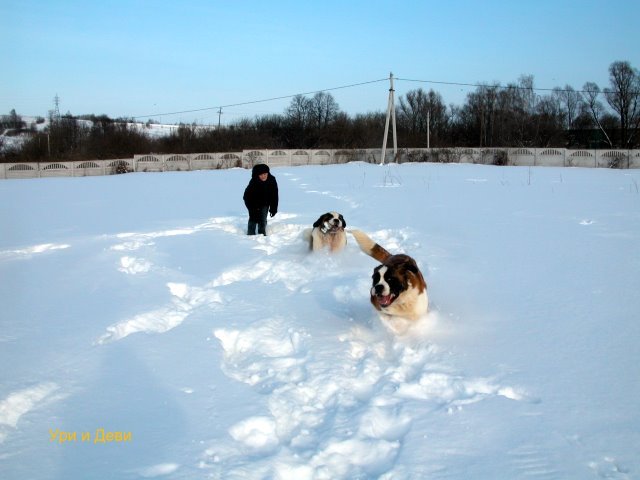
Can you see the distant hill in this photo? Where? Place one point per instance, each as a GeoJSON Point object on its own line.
{"type": "Point", "coordinates": [11, 138]}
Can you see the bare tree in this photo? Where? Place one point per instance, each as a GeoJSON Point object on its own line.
{"type": "Point", "coordinates": [413, 110]}
{"type": "Point", "coordinates": [527, 94]}
{"type": "Point", "coordinates": [487, 106]}
{"type": "Point", "coordinates": [594, 107]}
{"type": "Point", "coordinates": [548, 120]}
{"type": "Point", "coordinates": [624, 99]}
{"type": "Point", "coordinates": [569, 103]}
{"type": "Point", "coordinates": [299, 111]}
{"type": "Point", "coordinates": [323, 109]}
{"type": "Point", "coordinates": [438, 117]}
{"type": "Point", "coordinates": [420, 110]}
{"type": "Point", "coordinates": [478, 115]}
{"type": "Point", "coordinates": [523, 124]}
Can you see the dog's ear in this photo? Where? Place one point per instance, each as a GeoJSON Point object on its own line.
{"type": "Point", "coordinates": [415, 277]}
{"type": "Point", "coordinates": [318, 222]}
{"type": "Point", "coordinates": [412, 267]}
{"type": "Point", "coordinates": [344, 224]}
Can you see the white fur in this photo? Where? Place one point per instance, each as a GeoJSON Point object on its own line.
{"type": "Point", "coordinates": [323, 237]}
{"type": "Point", "coordinates": [410, 304]}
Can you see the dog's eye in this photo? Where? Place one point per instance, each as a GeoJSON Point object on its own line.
{"type": "Point", "coordinates": [395, 284]}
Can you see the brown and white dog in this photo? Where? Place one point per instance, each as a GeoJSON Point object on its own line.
{"type": "Point", "coordinates": [399, 289]}
{"type": "Point", "coordinates": [328, 232]}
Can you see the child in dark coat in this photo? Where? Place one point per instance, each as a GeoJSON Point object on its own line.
{"type": "Point", "coordinates": [260, 198]}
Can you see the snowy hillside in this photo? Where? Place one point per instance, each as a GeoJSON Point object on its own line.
{"type": "Point", "coordinates": [9, 140]}
{"type": "Point", "coordinates": [143, 335]}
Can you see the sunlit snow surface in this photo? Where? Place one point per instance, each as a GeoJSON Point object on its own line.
{"type": "Point", "coordinates": [135, 304]}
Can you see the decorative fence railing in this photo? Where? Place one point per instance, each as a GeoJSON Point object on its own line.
{"type": "Point", "coordinates": [548, 157]}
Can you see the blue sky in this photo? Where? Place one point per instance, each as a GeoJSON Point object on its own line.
{"type": "Point", "coordinates": [138, 58]}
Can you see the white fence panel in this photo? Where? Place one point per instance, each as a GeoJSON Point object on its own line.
{"type": "Point", "coordinates": [523, 157]}
{"type": "Point", "coordinates": [230, 160]}
{"type": "Point", "coordinates": [469, 155]}
{"type": "Point", "coordinates": [612, 158]}
{"type": "Point", "coordinates": [279, 158]}
{"type": "Point", "coordinates": [176, 163]}
{"type": "Point", "coordinates": [321, 157]}
{"type": "Point", "coordinates": [88, 168]}
{"type": "Point", "coordinates": [56, 169]}
{"type": "Point", "coordinates": [22, 170]}
{"type": "Point", "coordinates": [204, 161]}
{"type": "Point", "coordinates": [549, 157]}
{"type": "Point", "coordinates": [300, 157]}
{"type": "Point", "coordinates": [149, 163]}
{"type": "Point", "coordinates": [253, 157]}
{"type": "Point", "coordinates": [121, 165]}
{"type": "Point", "coordinates": [581, 158]}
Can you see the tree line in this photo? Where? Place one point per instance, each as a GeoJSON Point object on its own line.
{"type": "Point", "coordinates": [493, 115]}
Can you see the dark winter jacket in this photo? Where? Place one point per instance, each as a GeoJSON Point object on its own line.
{"type": "Point", "coordinates": [261, 194]}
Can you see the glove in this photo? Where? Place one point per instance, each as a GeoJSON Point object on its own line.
{"type": "Point", "coordinates": [273, 214]}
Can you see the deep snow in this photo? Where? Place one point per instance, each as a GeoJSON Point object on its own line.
{"type": "Point", "coordinates": [136, 304]}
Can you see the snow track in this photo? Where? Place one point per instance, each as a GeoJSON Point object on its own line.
{"type": "Point", "coordinates": [339, 420]}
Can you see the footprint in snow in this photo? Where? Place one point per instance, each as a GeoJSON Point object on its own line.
{"type": "Point", "coordinates": [131, 241]}
{"type": "Point", "coordinates": [159, 470]}
{"type": "Point", "coordinates": [529, 461]}
{"type": "Point", "coordinates": [22, 402]}
{"type": "Point", "coordinates": [183, 300]}
{"type": "Point", "coordinates": [609, 467]}
{"type": "Point", "coordinates": [344, 417]}
{"type": "Point", "coordinates": [266, 355]}
{"type": "Point", "coordinates": [134, 266]}
{"type": "Point", "coordinates": [31, 251]}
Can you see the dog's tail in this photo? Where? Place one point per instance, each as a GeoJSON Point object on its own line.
{"type": "Point", "coordinates": [370, 247]}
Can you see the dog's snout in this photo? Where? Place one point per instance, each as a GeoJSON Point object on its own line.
{"type": "Point", "coordinates": [378, 289]}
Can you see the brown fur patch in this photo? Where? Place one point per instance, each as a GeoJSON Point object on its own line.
{"type": "Point", "coordinates": [369, 247]}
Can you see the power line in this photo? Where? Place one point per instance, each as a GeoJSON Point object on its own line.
{"type": "Point", "coordinates": [218, 107]}
{"type": "Point", "coordinates": [504, 87]}
{"type": "Point", "coordinates": [435, 82]}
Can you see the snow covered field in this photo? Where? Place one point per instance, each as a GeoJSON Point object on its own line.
{"type": "Point", "coordinates": [135, 305]}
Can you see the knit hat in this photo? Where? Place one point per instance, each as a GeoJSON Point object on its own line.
{"type": "Point", "coordinates": [259, 169]}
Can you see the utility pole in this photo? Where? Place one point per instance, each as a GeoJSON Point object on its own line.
{"type": "Point", "coordinates": [391, 112]}
{"type": "Point", "coordinates": [219, 114]}
{"type": "Point", "coordinates": [428, 121]}
{"type": "Point", "coordinates": [54, 119]}
{"type": "Point", "coordinates": [56, 109]}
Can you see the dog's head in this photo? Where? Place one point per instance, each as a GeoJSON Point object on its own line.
{"type": "Point", "coordinates": [330, 222]}
{"type": "Point", "coordinates": [396, 276]}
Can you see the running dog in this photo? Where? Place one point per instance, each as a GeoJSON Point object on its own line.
{"type": "Point", "coordinates": [327, 232]}
{"type": "Point", "coordinates": [399, 289]}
